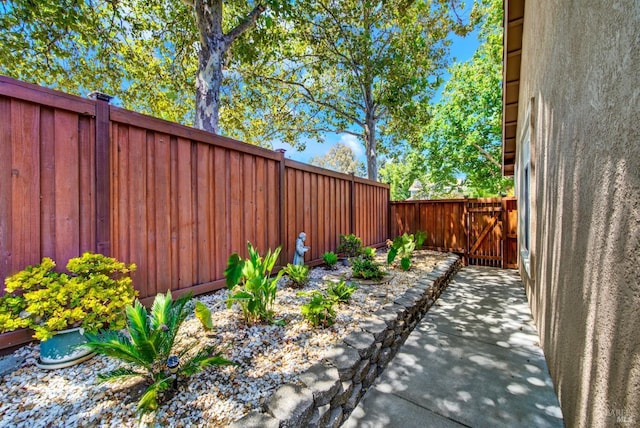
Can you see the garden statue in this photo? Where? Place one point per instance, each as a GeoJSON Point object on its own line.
{"type": "Point", "coordinates": [298, 258]}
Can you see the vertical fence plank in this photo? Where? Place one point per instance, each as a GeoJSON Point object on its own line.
{"type": "Point", "coordinates": [6, 181]}
{"type": "Point", "coordinates": [67, 188]}
{"type": "Point", "coordinates": [25, 185]}
{"type": "Point", "coordinates": [101, 139]}
{"type": "Point", "coordinates": [260, 204]}
{"type": "Point", "coordinates": [89, 236]}
{"type": "Point", "coordinates": [185, 214]}
{"type": "Point", "coordinates": [322, 244]}
{"type": "Point", "coordinates": [137, 213]}
{"type": "Point", "coordinates": [152, 237]}
{"type": "Point", "coordinates": [275, 197]}
{"type": "Point", "coordinates": [202, 214]}
{"type": "Point", "coordinates": [222, 212]}
{"type": "Point", "coordinates": [162, 211]}
{"type": "Point", "coordinates": [48, 183]}
{"type": "Point", "coordinates": [249, 199]}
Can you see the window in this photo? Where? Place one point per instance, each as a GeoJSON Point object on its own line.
{"type": "Point", "coordinates": [523, 188]}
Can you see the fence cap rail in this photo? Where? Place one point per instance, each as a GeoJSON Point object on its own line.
{"type": "Point", "coordinates": [23, 91]}
{"type": "Point", "coordinates": [289, 163]}
{"type": "Point", "coordinates": [140, 120]}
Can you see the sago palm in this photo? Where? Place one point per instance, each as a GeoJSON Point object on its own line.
{"type": "Point", "coordinates": [149, 344]}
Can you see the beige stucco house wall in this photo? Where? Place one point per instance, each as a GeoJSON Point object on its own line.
{"type": "Point", "coordinates": [574, 112]}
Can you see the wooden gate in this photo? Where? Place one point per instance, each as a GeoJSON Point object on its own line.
{"type": "Point", "coordinates": [483, 231]}
{"type": "Point", "coordinates": [491, 232]}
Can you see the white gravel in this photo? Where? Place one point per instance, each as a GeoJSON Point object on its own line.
{"type": "Point", "coordinates": [268, 357]}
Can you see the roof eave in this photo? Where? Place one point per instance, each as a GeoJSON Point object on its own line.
{"type": "Point", "coordinates": [513, 23]}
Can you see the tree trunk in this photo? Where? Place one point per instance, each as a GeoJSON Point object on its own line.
{"type": "Point", "coordinates": [214, 45]}
{"type": "Point", "coordinates": [208, 82]}
{"type": "Point", "coordinates": [370, 136]}
{"type": "Point", "coordinates": [370, 148]}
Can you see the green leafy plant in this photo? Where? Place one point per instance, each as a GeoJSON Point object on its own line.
{"type": "Point", "coordinates": [349, 245]}
{"type": "Point", "coordinates": [341, 291]}
{"type": "Point", "coordinates": [404, 246]}
{"type": "Point", "coordinates": [320, 310]}
{"type": "Point", "coordinates": [251, 285]}
{"type": "Point", "coordinates": [149, 342]}
{"type": "Point", "coordinates": [368, 253]}
{"type": "Point", "coordinates": [366, 269]}
{"type": "Point", "coordinates": [203, 313]}
{"type": "Point", "coordinates": [92, 296]}
{"type": "Point", "coordinates": [330, 259]}
{"type": "Point", "coordinates": [298, 274]}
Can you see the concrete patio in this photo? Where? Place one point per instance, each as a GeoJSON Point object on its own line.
{"type": "Point", "coordinates": [473, 361]}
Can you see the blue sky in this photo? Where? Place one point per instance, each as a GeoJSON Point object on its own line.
{"type": "Point", "coordinates": [462, 48]}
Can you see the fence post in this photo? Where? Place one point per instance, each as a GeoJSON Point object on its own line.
{"type": "Point", "coordinates": [504, 219]}
{"type": "Point", "coordinates": [389, 212]}
{"type": "Point", "coordinates": [352, 220]}
{"type": "Point", "coordinates": [282, 194]}
{"type": "Point", "coordinates": [102, 174]}
{"type": "Point", "coordinates": [465, 213]}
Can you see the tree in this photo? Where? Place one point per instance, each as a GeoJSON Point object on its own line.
{"type": "Point", "coordinates": [214, 47]}
{"type": "Point", "coordinates": [464, 137]}
{"type": "Point", "coordinates": [340, 158]}
{"type": "Point", "coordinates": [364, 68]}
{"type": "Point", "coordinates": [144, 52]}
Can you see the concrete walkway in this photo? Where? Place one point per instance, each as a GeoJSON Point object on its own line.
{"type": "Point", "coordinates": [473, 361]}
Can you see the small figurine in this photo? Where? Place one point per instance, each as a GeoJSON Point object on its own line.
{"type": "Point", "coordinates": [298, 258]}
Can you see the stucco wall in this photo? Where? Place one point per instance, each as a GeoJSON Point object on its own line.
{"type": "Point", "coordinates": [581, 64]}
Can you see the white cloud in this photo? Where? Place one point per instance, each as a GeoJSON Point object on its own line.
{"type": "Point", "coordinates": [353, 143]}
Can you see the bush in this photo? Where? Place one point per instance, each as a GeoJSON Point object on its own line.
{"type": "Point", "coordinates": [298, 274]}
{"type": "Point", "coordinates": [368, 253]}
{"type": "Point", "coordinates": [404, 246]}
{"type": "Point", "coordinates": [148, 346]}
{"type": "Point", "coordinates": [349, 245]}
{"type": "Point", "coordinates": [250, 284]}
{"type": "Point", "coordinates": [366, 269]}
{"type": "Point", "coordinates": [340, 291]}
{"type": "Point", "coordinates": [93, 296]}
{"type": "Point", "coordinates": [319, 310]}
{"type": "Point", "coordinates": [330, 259]}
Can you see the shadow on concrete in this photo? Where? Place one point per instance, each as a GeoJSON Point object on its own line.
{"type": "Point", "coordinates": [473, 361]}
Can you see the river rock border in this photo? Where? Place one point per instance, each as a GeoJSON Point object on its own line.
{"type": "Point", "coordinates": [330, 389]}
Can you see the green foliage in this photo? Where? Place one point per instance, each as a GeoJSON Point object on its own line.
{"type": "Point", "coordinates": [404, 246]}
{"type": "Point", "coordinates": [349, 245]}
{"type": "Point", "coordinates": [142, 52]}
{"type": "Point", "coordinates": [367, 69]}
{"type": "Point", "coordinates": [203, 313]}
{"type": "Point", "coordinates": [250, 284]}
{"type": "Point", "coordinates": [148, 344]}
{"type": "Point", "coordinates": [320, 310]}
{"type": "Point", "coordinates": [366, 269]}
{"type": "Point", "coordinates": [464, 137]}
{"type": "Point", "coordinates": [341, 291]}
{"type": "Point", "coordinates": [368, 253]}
{"type": "Point", "coordinates": [298, 274]}
{"type": "Point", "coordinates": [330, 259]}
{"type": "Point", "coordinates": [92, 296]}
{"type": "Point", "coordinates": [340, 158]}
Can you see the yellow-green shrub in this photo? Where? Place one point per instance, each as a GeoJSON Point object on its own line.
{"type": "Point", "coordinates": [93, 296]}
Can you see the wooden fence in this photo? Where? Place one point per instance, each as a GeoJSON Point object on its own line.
{"type": "Point", "coordinates": [482, 230]}
{"type": "Point", "coordinates": [82, 175]}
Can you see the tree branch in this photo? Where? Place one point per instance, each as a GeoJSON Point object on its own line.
{"type": "Point", "coordinates": [309, 96]}
{"type": "Point", "coordinates": [248, 22]}
{"type": "Point", "coordinates": [486, 154]}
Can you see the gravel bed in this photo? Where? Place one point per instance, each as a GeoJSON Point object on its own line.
{"type": "Point", "coordinates": [268, 356]}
